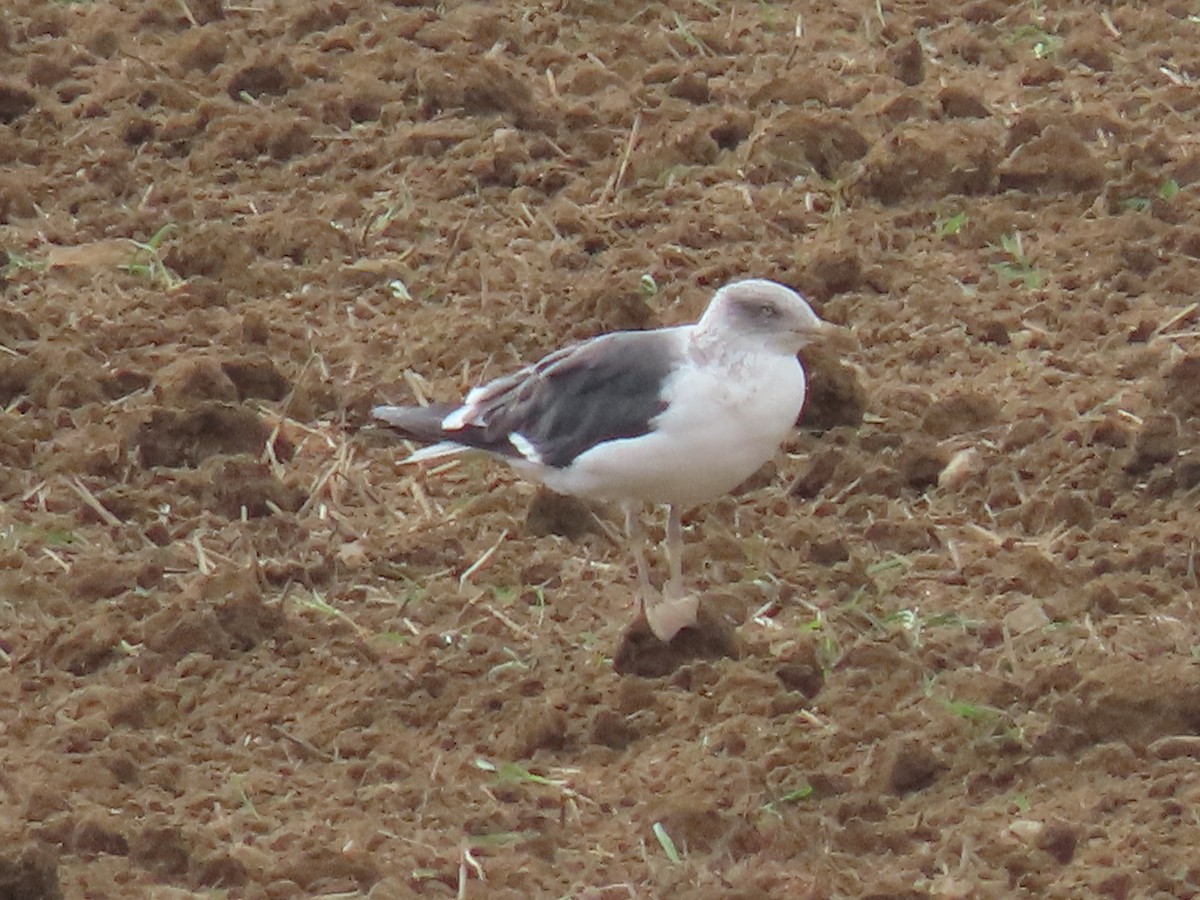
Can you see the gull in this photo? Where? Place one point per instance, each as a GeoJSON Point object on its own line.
{"type": "Point", "coordinates": [674, 417]}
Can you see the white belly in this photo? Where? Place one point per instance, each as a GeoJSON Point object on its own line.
{"type": "Point", "coordinates": [722, 424]}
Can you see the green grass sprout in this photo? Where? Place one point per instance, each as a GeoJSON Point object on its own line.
{"type": "Point", "coordinates": [794, 796]}
{"type": "Point", "coordinates": [664, 841]}
{"type": "Point", "coordinates": [148, 261]}
{"type": "Point", "coordinates": [1166, 191]}
{"type": "Point", "coordinates": [15, 262]}
{"type": "Point", "coordinates": [1042, 42]}
{"type": "Point", "coordinates": [952, 225]}
{"type": "Point", "coordinates": [1018, 268]}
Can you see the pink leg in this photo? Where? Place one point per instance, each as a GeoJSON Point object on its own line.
{"type": "Point", "coordinates": [674, 588]}
{"type": "Point", "coordinates": [637, 546]}
{"type": "Point", "coordinates": [677, 609]}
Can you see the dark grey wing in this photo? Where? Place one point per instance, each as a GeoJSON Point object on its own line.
{"type": "Point", "coordinates": [608, 388]}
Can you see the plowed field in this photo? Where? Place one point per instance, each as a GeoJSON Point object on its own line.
{"type": "Point", "coordinates": [956, 651]}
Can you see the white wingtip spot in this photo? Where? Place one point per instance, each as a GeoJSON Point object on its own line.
{"type": "Point", "coordinates": [457, 420]}
{"type": "Point", "coordinates": [525, 448]}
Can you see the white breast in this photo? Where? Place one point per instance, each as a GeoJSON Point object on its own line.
{"type": "Point", "coordinates": [724, 420]}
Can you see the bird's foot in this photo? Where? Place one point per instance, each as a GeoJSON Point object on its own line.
{"type": "Point", "coordinates": [673, 612]}
{"type": "Point", "coordinates": [674, 589]}
{"type": "Point", "coordinates": [645, 598]}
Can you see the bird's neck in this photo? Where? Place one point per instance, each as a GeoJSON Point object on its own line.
{"type": "Point", "coordinates": [712, 345]}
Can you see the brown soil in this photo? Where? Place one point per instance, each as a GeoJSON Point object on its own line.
{"type": "Point", "coordinates": [953, 647]}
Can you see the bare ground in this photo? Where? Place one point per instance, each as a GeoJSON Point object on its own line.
{"type": "Point", "coordinates": [245, 655]}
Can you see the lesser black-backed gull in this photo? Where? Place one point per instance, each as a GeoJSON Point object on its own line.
{"type": "Point", "coordinates": [674, 416]}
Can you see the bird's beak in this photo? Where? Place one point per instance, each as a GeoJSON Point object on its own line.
{"type": "Point", "coordinates": [836, 337]}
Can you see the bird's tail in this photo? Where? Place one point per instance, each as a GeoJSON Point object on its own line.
{"type": "Point", "coordinates": [422, 424]}
{"type": "Point", "coordinates": [427, 425]}
{"type": "Point", "coordinates": [417, 423]}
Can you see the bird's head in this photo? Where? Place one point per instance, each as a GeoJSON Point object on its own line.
{"type": "Point", "coordinates": [766, 313]}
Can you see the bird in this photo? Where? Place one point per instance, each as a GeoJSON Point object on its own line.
{"type": "Point", "coordinates": [675, 417]}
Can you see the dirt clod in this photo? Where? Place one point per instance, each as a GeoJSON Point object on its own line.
{"type": "Point", "coordinates": [612, 730]}
{"type": "Point", "coordinates": [1158, 441]}
{"type": "Point", "coordinates": [1059, 840]}
{"type": "Point", "coordinates": [187, 437]}
{"type": "Point", "coordinates": [29, 873]}
{"type": "Point", "coordinates": [188, 380]}
{"type": "Point", "coordinates": [256, 378]}
{"type": "Point", "coordinates": [641, 653]}
{"type": "Point", "coordinates": [551, 513]}
{"type": "Point", "coordinates": [961, 103]}
{"type": "Point", "coordinates": [1056, 160]}
{"type": "Point", "coordinates": [161, 850]}
{"type": "Point", "coordinates": [836, 395]}
{"type": "Point", "coordinates": [910, 767]}
{"type": "Point", "coordinates": [959, 413]}
{"type": "Point", "coordinates": [908, 61]}
{"type": "Point", "coordinates": [802, 673]}
{"type": "Point", "coordinates": [15, 102]}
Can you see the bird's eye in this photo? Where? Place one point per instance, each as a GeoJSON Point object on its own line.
{"type": "Point", "coordinates": [768, 310]}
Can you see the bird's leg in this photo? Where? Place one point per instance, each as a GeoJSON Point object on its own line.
{"type": "Point", "coordinates": [637, 546]}
{"type": "Point", "coordinates": [674, 587]}
{"type": "Point", "coordinates": [678, 609]}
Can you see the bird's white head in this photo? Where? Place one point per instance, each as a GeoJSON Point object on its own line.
{"type": "Point", "coordinates": [764, 312]}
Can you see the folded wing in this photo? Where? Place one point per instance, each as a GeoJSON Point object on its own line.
{"type": "Point", "coordinates": [605, 389]}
